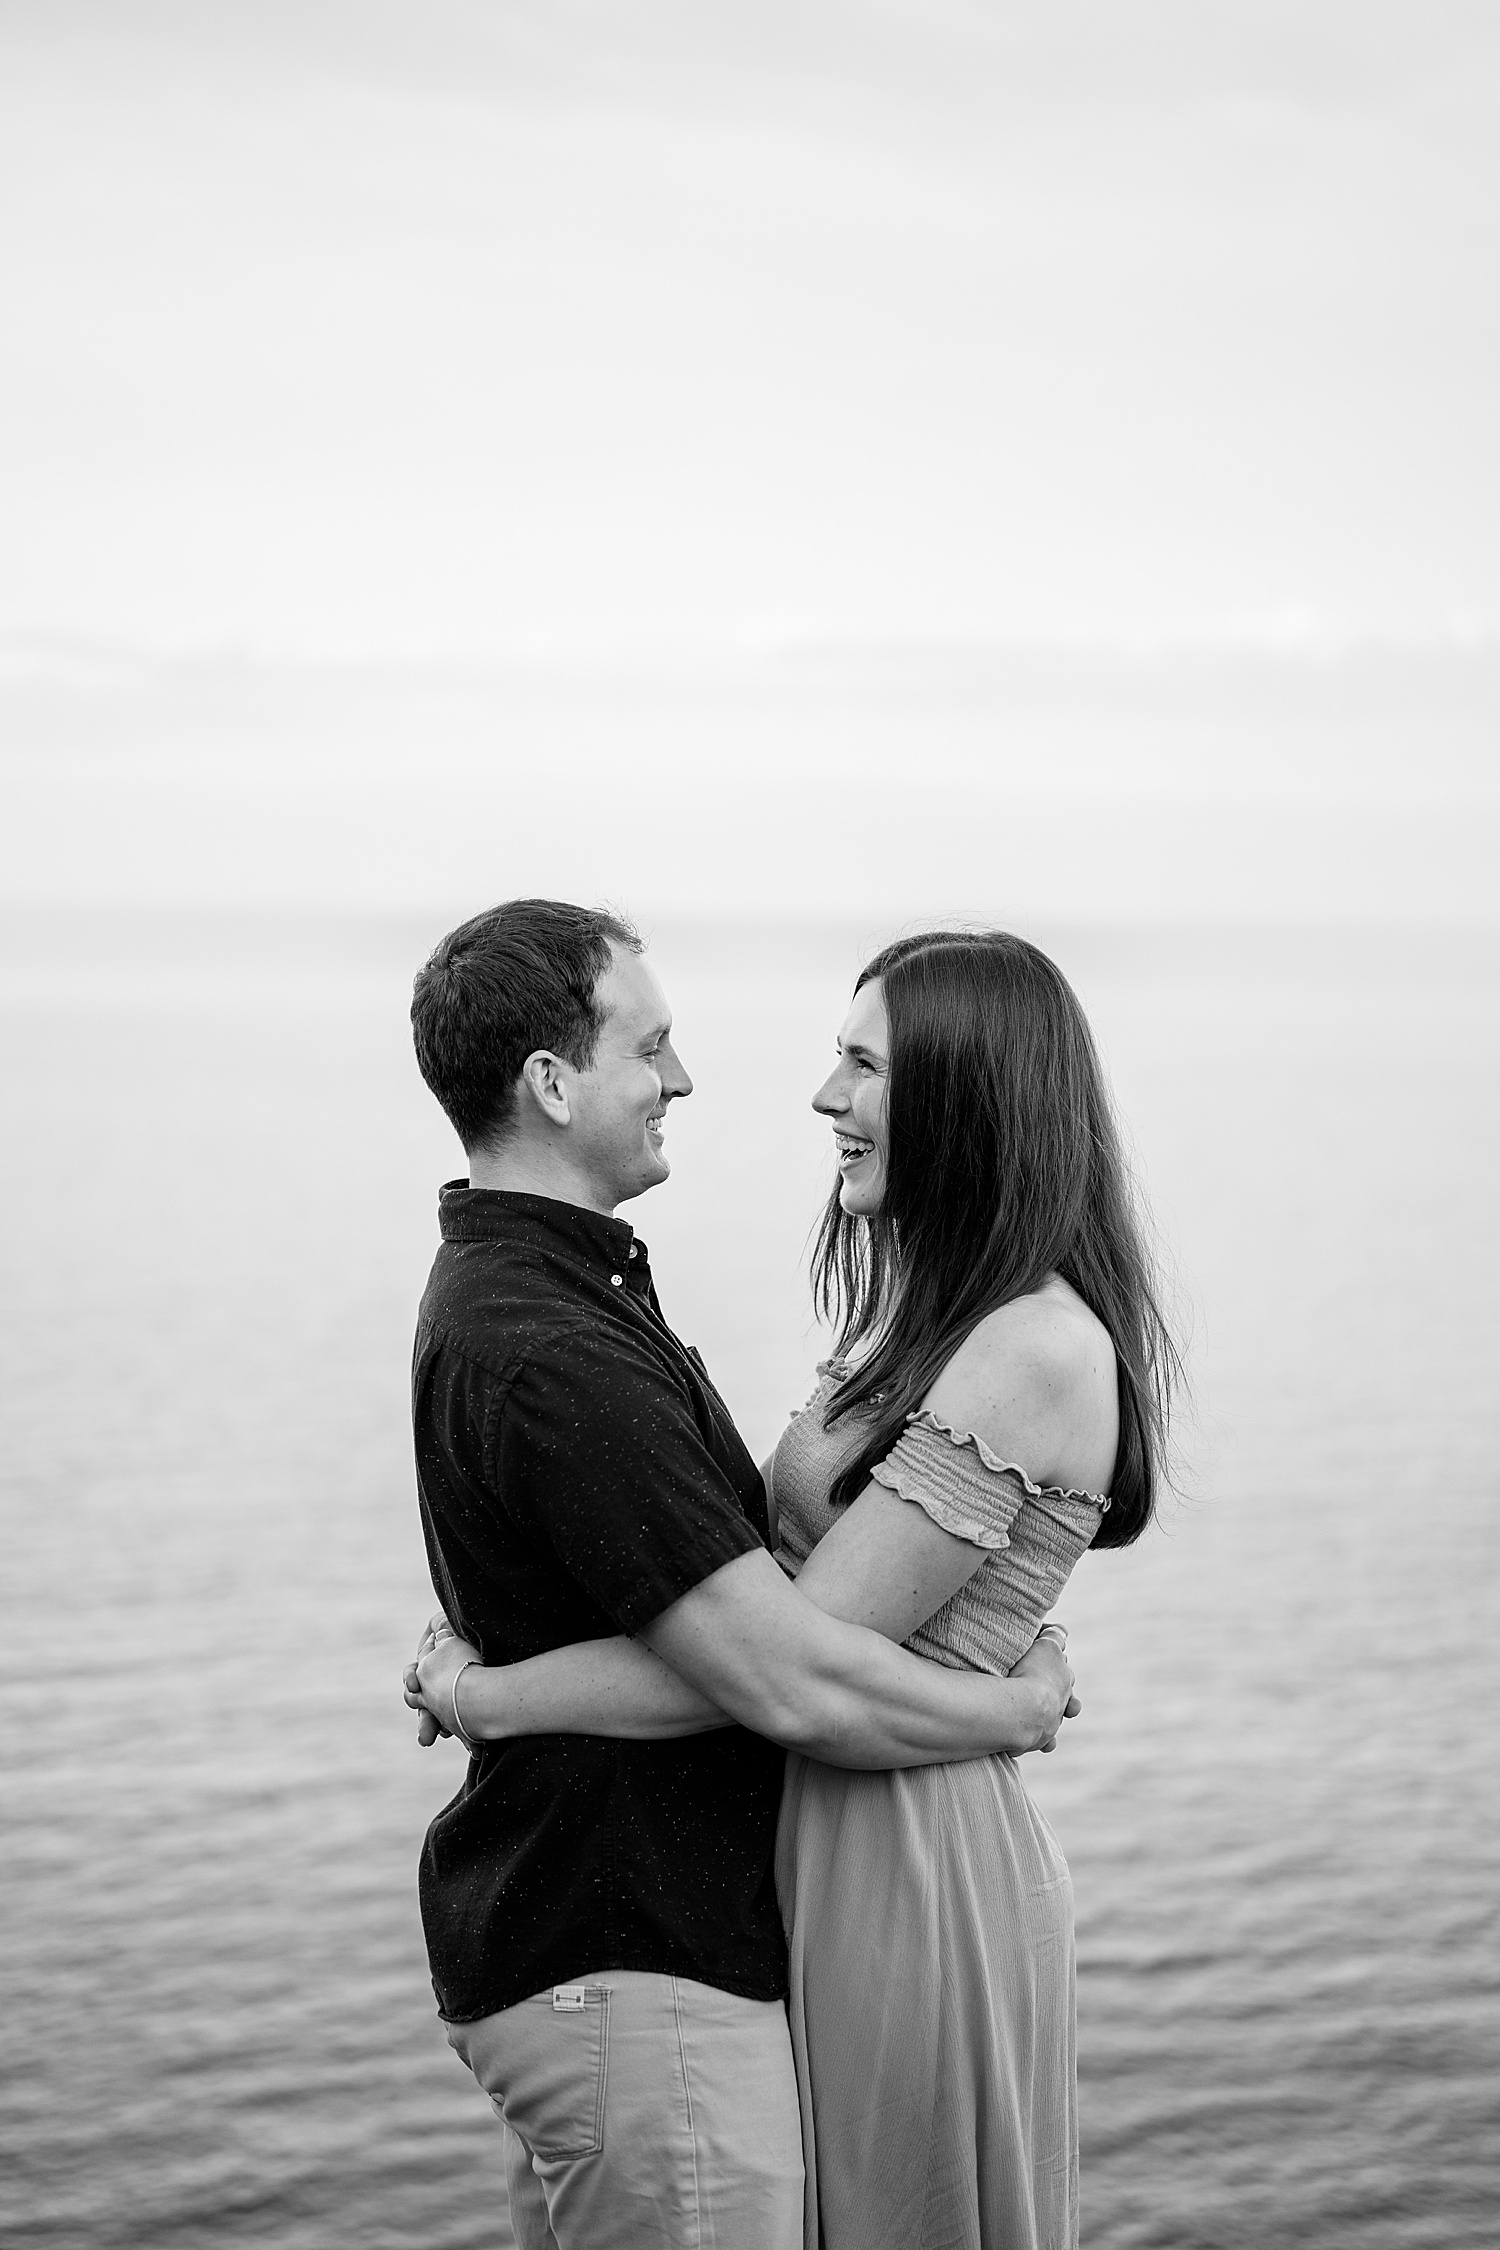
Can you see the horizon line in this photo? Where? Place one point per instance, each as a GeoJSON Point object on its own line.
{"type": "Point", "coordinates": [1291, 637]}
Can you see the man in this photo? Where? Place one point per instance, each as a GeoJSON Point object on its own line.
{"type": "Point", "coordinates": [600, 1914]}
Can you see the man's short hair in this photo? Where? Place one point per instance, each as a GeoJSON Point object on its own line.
{"type": "Point", "coordinates": [521, 976]}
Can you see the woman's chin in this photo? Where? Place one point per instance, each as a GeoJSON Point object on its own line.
{"type": "Point", "coordinates": [858, 1199]}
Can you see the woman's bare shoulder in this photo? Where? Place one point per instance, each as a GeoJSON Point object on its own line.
{"type": "Point", "coordinates": [1036, 1381]}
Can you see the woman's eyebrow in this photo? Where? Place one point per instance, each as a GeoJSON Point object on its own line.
{"type": "Point", "coordinates": [854, 1047]}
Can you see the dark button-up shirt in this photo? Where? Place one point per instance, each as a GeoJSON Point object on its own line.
{"type": "Point", "coordinates": [578, 1474]}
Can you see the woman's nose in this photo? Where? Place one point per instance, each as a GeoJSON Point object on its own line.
{"type": "Point", "coordinates": [830, 1097]}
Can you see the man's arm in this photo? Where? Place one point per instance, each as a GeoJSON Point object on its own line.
{"type": "Point", "coordinates": [746, 1645]}
{"type": "Point", "coordinates": [606, 1454]}
{"type": "Point", "coordinates": [747, 1639]}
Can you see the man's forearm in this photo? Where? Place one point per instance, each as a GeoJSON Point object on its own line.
{"type": "Point", "coordinates": [751, 1645]}
{"type": "Point", "coordinates": [746, 1646]}
{"type": "Point", "coordinates": [915, 1713]}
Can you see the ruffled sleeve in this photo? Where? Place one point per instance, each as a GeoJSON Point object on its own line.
{"type": "Point", "coordinates": [964, 1487]}
{"type": "Point", "coordinates": [955, 1479]}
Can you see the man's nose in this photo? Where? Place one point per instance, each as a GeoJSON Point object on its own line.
{"type": "Point", "coordinates": [674, 1079]}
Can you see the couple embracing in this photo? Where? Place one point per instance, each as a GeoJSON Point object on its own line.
{"type": "Point", "coordinates": [743, 1917]}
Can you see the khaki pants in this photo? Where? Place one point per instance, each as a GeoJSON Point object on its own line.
{"type": "Point", "coordinates": [644, 2112]}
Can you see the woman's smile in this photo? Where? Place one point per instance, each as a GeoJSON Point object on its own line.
{"type": "Point", "coordinates": [854, 1094]}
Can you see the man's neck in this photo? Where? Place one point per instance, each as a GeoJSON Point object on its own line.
{"type": "Point", "coordinates": [523, 1170]}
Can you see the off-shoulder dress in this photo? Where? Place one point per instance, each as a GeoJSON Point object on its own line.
{"type": "Point", "coordinates": [929, 1913]}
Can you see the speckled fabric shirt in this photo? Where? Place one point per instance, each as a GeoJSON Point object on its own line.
{"type": "Point", "coordinates": [578, 1473]}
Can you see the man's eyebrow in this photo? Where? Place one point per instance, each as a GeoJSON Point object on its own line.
{"type": "Point", "coordinates": [656, 1034]}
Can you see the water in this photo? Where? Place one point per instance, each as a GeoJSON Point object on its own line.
{"type": "Point", "coordinates": [218, 1182]}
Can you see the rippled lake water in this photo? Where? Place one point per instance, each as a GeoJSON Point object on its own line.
{"type": "Point", "coordinates": [1280, 1804]}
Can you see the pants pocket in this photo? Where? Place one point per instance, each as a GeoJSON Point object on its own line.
{"type": "Point", "coordinates": [556, 2105]}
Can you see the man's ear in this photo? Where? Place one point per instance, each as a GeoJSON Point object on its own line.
{"type": "Point", "coordinates": [542, 1082]}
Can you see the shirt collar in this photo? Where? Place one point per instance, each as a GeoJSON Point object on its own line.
{"type": "Point", "coordinates": [470, 1214]}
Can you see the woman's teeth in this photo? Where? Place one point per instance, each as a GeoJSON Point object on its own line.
{"type": "Point", "coordinates": [850, 1152]}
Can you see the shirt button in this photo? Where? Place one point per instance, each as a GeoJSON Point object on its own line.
{"type": "Point", "coordinates": [616, 1279]}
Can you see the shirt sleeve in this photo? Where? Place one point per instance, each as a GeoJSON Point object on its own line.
{"type": "Point", "coordinates": [600, 1446]}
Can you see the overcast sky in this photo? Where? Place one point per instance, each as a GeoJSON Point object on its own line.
{"type": "Point", "coordinates": [702, 340]}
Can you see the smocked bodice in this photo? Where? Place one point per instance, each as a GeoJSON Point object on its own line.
{"type": "Point", "coordinates": [1031, 1534]}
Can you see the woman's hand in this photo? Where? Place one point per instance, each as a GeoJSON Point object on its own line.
{"type": "Point", "coordinates": [1046, 1663]}
{"type": "Point", "coordinates": [427, 1686]}
{"type": "Point", "coordinates": [437, 1671]}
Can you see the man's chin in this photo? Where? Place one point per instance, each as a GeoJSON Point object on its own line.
{"type": "Point", "coordinates": [651, 1174]}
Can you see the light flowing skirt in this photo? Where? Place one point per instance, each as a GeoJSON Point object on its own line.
{"type": "Point", "coordinates": [930, 1926]}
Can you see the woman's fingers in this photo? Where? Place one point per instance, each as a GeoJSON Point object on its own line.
{"type": "Point", "coordinates": [429, 1728]}
{"type": "Point", "coordinates": [436, 1629]}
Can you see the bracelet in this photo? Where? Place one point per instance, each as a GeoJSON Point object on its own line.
{"type": "Point", "coordinates": [458, 1726]}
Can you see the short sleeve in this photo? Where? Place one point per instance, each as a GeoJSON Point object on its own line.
{"type": "Point", "coordinates": [955, 1479]}
{"type": "Point", "coordinates": [600, 1449]}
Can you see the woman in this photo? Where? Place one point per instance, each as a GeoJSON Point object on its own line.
{"type": "Point", "coordinates": [998, 1404]}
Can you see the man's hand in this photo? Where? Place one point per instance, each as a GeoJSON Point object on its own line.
{"type": "Point", "coordinates": [1046, 1663]}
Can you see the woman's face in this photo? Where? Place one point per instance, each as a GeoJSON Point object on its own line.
{"type": "Point", "coordinates": [852, 1098]}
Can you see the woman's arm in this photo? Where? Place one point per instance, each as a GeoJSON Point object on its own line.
{"type": "Point", "coordinates": [884, 1565]}
{"type": "Point", "coordinates": [1036, 1382]}
{"type": "Point", "coordinates": [611, 1687]}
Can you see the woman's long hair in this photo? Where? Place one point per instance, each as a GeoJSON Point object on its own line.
{"type": "Point", "coordinates": [1002, 1166]}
